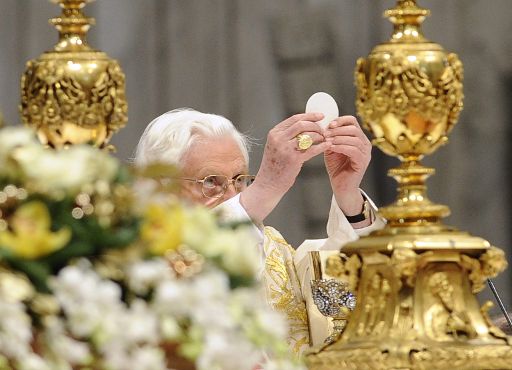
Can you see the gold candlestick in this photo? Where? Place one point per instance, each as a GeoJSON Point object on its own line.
{"type": "Point", "coordinates": [73, 94]}
{"type": "Point", "coordinates": [416, 278]}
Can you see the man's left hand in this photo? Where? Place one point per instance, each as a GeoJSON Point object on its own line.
{"type": "Point", "coordinates": [346, 162]}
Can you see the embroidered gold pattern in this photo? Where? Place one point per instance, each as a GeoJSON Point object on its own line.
{"type": "Point", "coordinates": [283, 288]}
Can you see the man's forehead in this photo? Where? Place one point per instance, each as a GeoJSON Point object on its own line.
{"type": "Point", "coordinates": [214, 156]}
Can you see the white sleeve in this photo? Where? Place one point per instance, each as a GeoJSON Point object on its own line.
{"type": "Point", "coordinates": [340, 231]}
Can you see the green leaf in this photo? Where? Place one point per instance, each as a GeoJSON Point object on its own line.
{"type": "Point", "coordinates": [37, 271]}
{"type": "Point", "coordinates": [238, 281]}
{"type": "Point", "coordinates": [120, 238]}
{"type": "Point", "coordinates": [60, 258]}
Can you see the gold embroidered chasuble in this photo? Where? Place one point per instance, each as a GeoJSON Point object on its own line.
{"type": "Point", "coordinates": [286, 273]}
{"type": "Point", "coordinates": [282, 287]}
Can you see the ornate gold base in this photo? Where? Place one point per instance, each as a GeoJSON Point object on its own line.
{"type": "Point", "coordinates": [420, 238]}
{"type": "Point", "coordinates": [439, 356]}
{"type": "Point", "coordinates": [414, 214]}
{"type": "Point", "coordinates": [416, 304]}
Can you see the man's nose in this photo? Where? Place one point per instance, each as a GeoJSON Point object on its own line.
{"type": "Point", "coordinates": [230, 191]}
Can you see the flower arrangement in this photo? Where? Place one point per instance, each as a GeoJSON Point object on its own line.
{"type": "Point", "coordinates": [94, 276]}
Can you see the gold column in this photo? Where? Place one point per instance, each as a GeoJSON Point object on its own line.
{"type": "Point", "coordinates": [417, 278]}
{"type": "Point", "coordinates": [73, 94]}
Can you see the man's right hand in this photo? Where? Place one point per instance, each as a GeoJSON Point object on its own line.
{"type": "Point", "coordinates": [281, 163]}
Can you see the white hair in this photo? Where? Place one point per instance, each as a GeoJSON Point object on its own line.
{"type": "Point", "coordinates": [168, 137]}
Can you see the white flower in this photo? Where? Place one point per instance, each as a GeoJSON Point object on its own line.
{"type": "Point", "coordinates": [213, 245]}
{"type": "Point", "coordinates": [250, 305]}
{"type": "Point", "coordinates": [146, 191]}
{"type": "Point", "coordinates": [211, 285]}
{"type": "Point", "coordinates": [34, 362]}
{"type": "Point", "coordinates": [116, 356]}
{"type": "Point", "coordinates": [202, 315]}
{"type": "Point", "coordinates": [119, 332]}
{"type": "Point", "coordinates": [172, 297]}
{"type": "Point", "coordinates": [66, 170]}
{"type": "Point", "coordinates": [145, 275]}
{"type": "Point", "coordinates": [107, 292]}
{"type": "Point", "coordinates": [282, 365]}
{"type": "Point", "coordinates": [170, 328]}
{"type": "Point", "coordinates": [63, 346]}
{"type": "Point", "coordinates": [199, 226]}
{"type": "Point", "coordinates": [14, 137]}
{"type": "Point", "coordinates": [236, 249]}
{"type": "Point", "coordinates": [227, 351]}
{"type": "Point", "coordinates": [147, 358]}
{"type": "Point", "coordinates": [141, 358]}
{"type": "Point", "coordinates": [272, 323]}
{"type": "Point", "coordinates": [140, 324]}
{"type": "Point", "coordinates": [15, 330]}
{"type": "Point", "coordinates": [241, 256]}
{"type": "Point", "coordinates": [91, 305]}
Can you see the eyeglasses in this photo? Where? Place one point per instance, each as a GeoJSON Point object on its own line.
{"type": "Point", "coordinates": [214, 186]}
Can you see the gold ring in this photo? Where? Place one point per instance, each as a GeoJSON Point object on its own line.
{"type": "Point", "coordinates": [304, 141]}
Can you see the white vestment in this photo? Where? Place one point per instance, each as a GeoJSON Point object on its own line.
{"type": "Point", "coordinates": [286, 274]}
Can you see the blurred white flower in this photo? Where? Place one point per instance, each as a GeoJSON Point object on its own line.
{"type": "Point", "coordinates": [173, 297]}
{"type": "Point", "coordinates": [241, 256]}
{"type": "Point", "coordinates": [90, 304]}
{"type": "Point", "coordinates": [282, 364]}
{"type": "Point", "coordinates": [13, 137]}
{"type": "Point", "coordinates": [147, 191]}
{"type": "Point", "coordinates": [145, 275]}
{"type": "Point", "coordinates": [272, 323]}
{"type": "Point", "coordinates": [148, 358]}
{"type": "Point", "coordinates": [66, 170]}
{"type": "Point", "coordinates": [199, 226]}
{"type": "Point", "coordinates": [227, 351]}
{"type": "Point", "coordinates": [115, 356]}
{"type": "Point", "coordinates": [170, 328]}
{"type": "Point", "coordinates": [211, 285]}
{"type": "Point", "coordinates": [235, 249]}
{"type": "Point", "coordinates": [140, 324]}
{"type": "Point", "coordinates": [15, 330]}
{"type": "Point", "coordinates": [62, 346]}
{"type": "Point", "coordinates": [34, 362]}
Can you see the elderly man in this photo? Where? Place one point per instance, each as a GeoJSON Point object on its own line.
{"type": "Point", "coordinates": [213, 157]}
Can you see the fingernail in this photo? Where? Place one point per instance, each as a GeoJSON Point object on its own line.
{"type": "Point", "coordinates": [333, 124]}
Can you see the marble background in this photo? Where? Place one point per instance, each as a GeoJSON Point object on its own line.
{"type": "Point", "coordinates": [257, 62]}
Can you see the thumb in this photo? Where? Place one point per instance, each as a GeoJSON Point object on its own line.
{"type": "Point", "coordinates": [315, 150]}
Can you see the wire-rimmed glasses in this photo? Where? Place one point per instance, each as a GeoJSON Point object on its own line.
{"type": "Point", "coordinates": [214, 186]}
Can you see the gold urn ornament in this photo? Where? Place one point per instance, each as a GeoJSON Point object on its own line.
{"type": "Point", "coordinates": [416, 279]}
{"type": "Point", "coordinates": [409, 96]}
{"type": "Point", "coordinates": [73, 94]}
